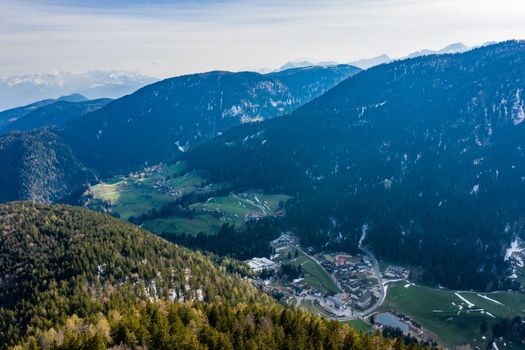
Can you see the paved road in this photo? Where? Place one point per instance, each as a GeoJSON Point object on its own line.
{"type": "Point", "coordinates": [377, 273]}
{"type": "Point", "coordinates": [381, 284]}
{"type": "Point", "coordinates": [382, 291]}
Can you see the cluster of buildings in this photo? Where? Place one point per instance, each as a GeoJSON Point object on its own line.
{"type": "Point", "coordinates": [355, 276]}
{"type": "Point", "coordinates": [255, 216]}
{"type": "Point", "coordinates": [283, 243]}
{"type": "Point", "coordinates": [160, 184]}
{"type": "Point", "coordinates": [342, 302]}
{"type": "Point", "coordinates": [397, 272]}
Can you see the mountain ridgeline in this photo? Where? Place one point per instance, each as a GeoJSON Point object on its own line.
{"type": "Point", "coordinates": [76, 279]}
{"type": "Point", "coordinates": [53, 115]}
{"type": "Point", "coordinates": [14, 114]}
{"type": "Point", "coordinates": [161, 120]}
{"type": "Point", "coordinates": [425, 157]}
{"type": "Point", "coordinates": [152, 125]}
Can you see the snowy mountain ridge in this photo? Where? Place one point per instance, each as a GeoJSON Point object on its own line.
{"type": "Point", "coordinates": [21, 90]}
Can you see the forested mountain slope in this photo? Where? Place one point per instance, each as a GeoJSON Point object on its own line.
{"type": "Point", "coordinates": [11, 115]}
{"type": "Point", "coordinates": [426, 155]}
{"type": "Point", "coordinates": [76, 279]}
{"type": "Point", "coordinates": [54, 114]}
{"type": "Point", "coordinates": [161, 120]}
{"type": "Point", "coordinates": [39, 166]}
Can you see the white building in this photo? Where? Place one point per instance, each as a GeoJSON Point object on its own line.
{"type": "Point", "coordinates": [336, 303]}
{"type": "Point", "coordinates": [259, 264]}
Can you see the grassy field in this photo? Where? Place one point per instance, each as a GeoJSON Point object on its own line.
{"type": "Point", "coordinates": [361, 325]}
{"type": "Point", "coordinates": [315, 275]}
{"type": "Point", "coordinates": [231, 208]}
{"type": "Point", "coordinates": [129, 199]}
{"type": "Point", "coordinates": [449, 317]}
{"type": "Point", "coordinates": [215, 212]}
{"type": "Point", "coordinates": [156, 186]}
{"type": "Point", "coordinates": [186, 181]}
{"type": "Point", "coordinates": [142, 191]}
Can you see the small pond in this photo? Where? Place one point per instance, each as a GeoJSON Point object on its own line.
{"type": "Point", "coordinates": [390, 320]}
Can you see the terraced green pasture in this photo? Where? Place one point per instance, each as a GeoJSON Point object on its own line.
{"type": "Point", "coordinates": [216, 211]}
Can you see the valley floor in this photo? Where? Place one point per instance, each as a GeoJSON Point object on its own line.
{"type": "Point", "coordinates": [349, 288]}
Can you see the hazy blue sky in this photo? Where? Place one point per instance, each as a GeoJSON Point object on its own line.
{"type": "Point", "coordinates": [165, 38]}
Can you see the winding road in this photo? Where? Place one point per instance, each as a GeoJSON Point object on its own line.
{"type": "Point", "coordinates": [377, 273]}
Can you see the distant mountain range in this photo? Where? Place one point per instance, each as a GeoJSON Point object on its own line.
{"type": "Point", "coordinates": [371, 62]}
{"type": "Point", "coordinates": [166, 118]}
{"type": "Point", "coordinates": [25, 89]}
{"type": "Point", "coordinates": [303, 64]}
{"type": "Point", "coordinates": [48, 113]}
{"type": "Point", "coordinates": [11, 115]}
{"type": "Point", "coordinates": [453, 48]}
{"type": "Point", "coordinates": [425, 155]}
{"type": "Point", "coordinates": [374, 61]}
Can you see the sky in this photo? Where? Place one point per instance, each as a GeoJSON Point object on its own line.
{"type": "Point", "coordinates": [167, 38]}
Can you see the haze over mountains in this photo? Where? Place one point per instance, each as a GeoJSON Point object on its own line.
{"type": "Point", "coordinates": [94, 84]}
{"type": "Point", "coordinates": [366, 63]}
{"type": "Point", "coordinates": [374, 61]}
{"type": "Point", "coordinates": [25, 89]}
{"type": "Point", "coordinates": [11, 115]}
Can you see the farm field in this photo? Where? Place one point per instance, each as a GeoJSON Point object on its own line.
{"type": "Point", "coordinates": [216, 211]}
{"type": "Point", "coordinates": [156, 186]}
{"type": "Point", "coordinates": [454, 317]}
{"type": "Point", "coordinates": [236, 207]}
{"type": "Point", "coordinates": [130, 199]}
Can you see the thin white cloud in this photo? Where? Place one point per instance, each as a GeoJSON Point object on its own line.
{"type": "Point", "coordinates": [180, 37]}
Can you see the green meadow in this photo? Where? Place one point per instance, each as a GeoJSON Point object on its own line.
{"type": "Point", "coordinates": [448, 316]}
{"type": "Point", "coordinates": [157, 186]}
{"type": "Point", "coordinates": [314, 275]}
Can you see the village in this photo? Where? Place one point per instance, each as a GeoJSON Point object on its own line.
{"type": "Point", "coordinates": [336, 285]}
